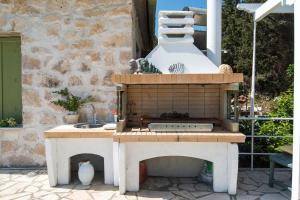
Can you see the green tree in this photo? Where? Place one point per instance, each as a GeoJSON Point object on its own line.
{"type": "Point", "coordinates": [274, 47]}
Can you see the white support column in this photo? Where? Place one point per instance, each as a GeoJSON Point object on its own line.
{"type": "Point", "coordinates": [122, 168]}
{"type": "Point", "coordinates": [64, 170]}
{"type": "Point", "coordinates": [296, 136]}
{"type": "Point", "coordinates": [51, 158]}
{"type": "Point", "coordinates": [214, 30]}
{"type": "Point", "coordinates": [233, 167]}
{"type": "Point", "coordinates": [116, 163]}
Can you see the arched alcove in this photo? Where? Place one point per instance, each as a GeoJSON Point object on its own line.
{"type": "Point", "coordinates": [165, 171]}
{"type": "Point", "coordinates": [96, 160]}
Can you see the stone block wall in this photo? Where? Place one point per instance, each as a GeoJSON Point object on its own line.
{"type": "Point", "coordinates": [65, 43]}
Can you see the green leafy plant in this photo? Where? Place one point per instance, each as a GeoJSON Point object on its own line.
{"type": "Point", "coordinates": [69, 101]}
{"type": "Point", "coordinates": [9, 122]}
{"type": "Point", "coordinates": [282, 107]}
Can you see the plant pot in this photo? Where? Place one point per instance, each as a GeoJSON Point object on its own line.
{"type": "Point", "coordinates": [71, 118]}
{"type": "Point", "coordinates": [86, 173]}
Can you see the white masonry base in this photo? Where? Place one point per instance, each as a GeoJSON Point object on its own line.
{"type": "Point", "coordinates": [121, 160]}
{"type": "Point", "coordinates": [59, 151]}
{"type": "Point", "coordinates": [223, 155]}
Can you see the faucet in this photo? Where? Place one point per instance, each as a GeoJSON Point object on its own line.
{"type": "Point", "coordinates": [94, 114]}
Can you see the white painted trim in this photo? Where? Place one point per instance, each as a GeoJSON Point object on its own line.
{"type": "Point", "coordinates": [7, 129]}
{"type": "Point", "coordinates": [188, 30]}
{"type": "Point", "coordinates": [296, 134]}
{"type": "Point", "coordinates": [214, 31]}
{"type": "Point", "coordinates": [50, 145]}
{"type": "Point", "coordinates": [163, 39]}
{"type": "Point", "coordinates": [122, 168]}
{"type": "Point", "coordinates": [175, 12]}
{"type": "Point", "coordinates": [233, 167]}
{"type": "Point", "coordinates": [252, 7]}
{"type": "Point", "coordinates": [252, 94]}
{"type": "Point", "coordinates": [172, 21]}
{"type": "Point", "coordinates": [266, 9]}
{"type": "Point", "coordinates": [116, 163]}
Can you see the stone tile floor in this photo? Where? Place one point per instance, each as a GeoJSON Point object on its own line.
{"type": "Point", "coordinates": [33, 185]}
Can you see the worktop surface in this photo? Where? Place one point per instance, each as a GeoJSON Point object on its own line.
{"type": "Point", "coordinates": [218, 134]}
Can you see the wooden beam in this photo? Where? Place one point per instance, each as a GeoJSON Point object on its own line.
{"type": "Point", "coordinates": [148, 136]}
{"type": "Point", "coordinates": [177, 78]}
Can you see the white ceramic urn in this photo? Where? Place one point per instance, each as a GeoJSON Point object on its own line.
{"type": "Point", "coordinates": [86, 172]}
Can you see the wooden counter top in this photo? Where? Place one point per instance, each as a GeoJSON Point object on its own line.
{"type": "Point", "coordinates": [69, 131]}
{"type": "Point", "coordinates": [177, 78]}
{"type": "Point", "coordinates": [144, 135]}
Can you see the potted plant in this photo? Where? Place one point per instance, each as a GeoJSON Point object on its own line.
{"type": "Point", "coordinates": [9, 122]}
{"type": "Point", "coordinates": [71, 103]}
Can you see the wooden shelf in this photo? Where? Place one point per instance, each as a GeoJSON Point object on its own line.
{"type": "Point", "coordinates": [177, 78]}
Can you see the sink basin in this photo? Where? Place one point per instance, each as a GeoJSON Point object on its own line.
{"type": "Point", "coordinates": [87, 125]}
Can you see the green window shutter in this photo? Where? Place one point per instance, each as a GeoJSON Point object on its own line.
{"type": "Point", "coordinates": [1, 85]}
{"type": "Point", "coordinates": [11, 88]}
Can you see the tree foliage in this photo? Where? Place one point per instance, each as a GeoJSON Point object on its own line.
{"type": "Point", "coordinates": [283, 106]}
{"type": "Point", "coordinates": [274, 47]}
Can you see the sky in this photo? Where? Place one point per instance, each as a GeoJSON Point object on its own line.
{"type": "Point", "coordinates": [177, 5]}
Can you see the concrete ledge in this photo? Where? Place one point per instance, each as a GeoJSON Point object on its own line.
{"type": "Point", "coordinates": [68, 131]}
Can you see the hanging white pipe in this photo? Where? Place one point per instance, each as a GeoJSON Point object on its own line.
{"type": "Point", "coordinates": [252, 94]}
{"type": "Point", "coordinates": [214, 31]}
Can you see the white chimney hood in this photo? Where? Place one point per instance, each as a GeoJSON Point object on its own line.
{"type": "Point", "coordinates": [175, 45]}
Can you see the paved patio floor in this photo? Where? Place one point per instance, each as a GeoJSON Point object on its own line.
{"type": "Point", "coordinates": [33, 184]}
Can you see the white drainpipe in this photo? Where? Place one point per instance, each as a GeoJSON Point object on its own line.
{"type": "Point", "coordinates": [214, 30]}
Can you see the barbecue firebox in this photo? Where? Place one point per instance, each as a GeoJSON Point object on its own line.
{"type": "Point", "coordinates": [190, 109]}
{"type": "Point", "coordinates": [195, 109]}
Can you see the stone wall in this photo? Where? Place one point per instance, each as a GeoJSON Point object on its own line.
{"type": "Point", "coordinates": [65, 43]}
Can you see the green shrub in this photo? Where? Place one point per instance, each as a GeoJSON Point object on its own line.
{"type": "Point", "coordinates": [283, 107]}
{"type": "Point", "coordinates": [69, 101]}
{"type": "Point", "coordinates": [9, 122]}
